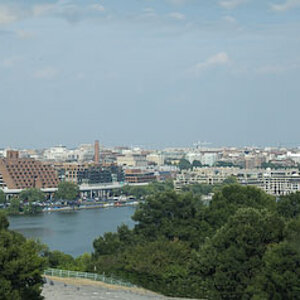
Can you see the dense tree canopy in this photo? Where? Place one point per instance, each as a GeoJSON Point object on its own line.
{"type": "Point", "coordinates": [229, 261]}
{"type": "Point", "coordinates": [67, 191]}
{"type": "Point", "coordinates": [143, 191]}
{"type": "Point", "coordinates": [20, 266]}
{"type": "Point", "coordinates": [196, 164]}
{"type": "Point", "coordinates": [32, 195]}
{"type": "Point", "coordinates": [289, 206]}
{"type": "Point", "coordinates": [2, 197]}
{"type": "Point", "coordinates": [279, 277]}
{"type": "Point", "coordinates": [14, 207]}
{"type": "Point", "coordinates": [184, 164]}
{"type": "Point", "coordinates": [241, 245]}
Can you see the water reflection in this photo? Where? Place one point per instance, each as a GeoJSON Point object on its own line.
{"type": "Point", "coordinates": [72, 232]}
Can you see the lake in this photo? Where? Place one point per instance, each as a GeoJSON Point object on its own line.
{"type": "Point", "coordinates": [72, 232]}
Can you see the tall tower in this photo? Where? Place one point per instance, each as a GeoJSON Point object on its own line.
{"type": "Point", "coordinates": [96, 152]}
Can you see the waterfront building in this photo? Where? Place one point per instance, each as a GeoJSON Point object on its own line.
{"type": "Point", "coordinates": [274, 182]}
{"type": "Point", "coordinates": [22, 173]}
{"type": "Point", "coordinates": [89, 173]}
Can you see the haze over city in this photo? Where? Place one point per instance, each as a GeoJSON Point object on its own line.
{"type": "Point", "coordinates": [151, 72]}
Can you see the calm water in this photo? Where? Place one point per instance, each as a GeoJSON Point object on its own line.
{"type": "Point", "coordinates": [72, 232]}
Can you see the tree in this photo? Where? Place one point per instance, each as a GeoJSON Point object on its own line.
{"type": "Point", "coordinates": [146, 190]}
{"type": "Point", "coordinates": [172, 216]}
{"type": "Point", "coordinates": [2, 197]}
{"type": "Point", "coordinates": [289, 206]}
{"type": "Point", "coordinates": [230, 180]}
{"type": "Point", "coordinates": [230, 198]}
{"type": "Point", "coordinates": [197, 164]}
{"type": "Point", "coordinates": [112, 243]}
{"type": "Point", "coordinates": [230, 260]}
{"type": "Point", "coordinates": [21, 267]}
{"type": "Point", "coordinates": [32, 195]}
{"type": "Point", "coordinates": [184, 164]}
{"type": "Point", "coordinates": [198, 189]}
{"type": "Point", "coordinates": [181, 247]}
{"type": "Point", "coordinates": [60, 260]}
{"type": "Point", "coordinates": [67, 191]}
{"type": "Point", "coordinates": [280, 275]}
{"type": "Point", "coordinates": [14, 207]}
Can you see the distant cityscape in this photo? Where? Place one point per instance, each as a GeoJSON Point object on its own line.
{"type": "Point", "coordinates": [98, 169]}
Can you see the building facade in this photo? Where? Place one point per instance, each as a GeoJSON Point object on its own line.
{"type": "Point", "coordinates": [24, 173]}
{"type": "Point", "coordinates": [274, 182]}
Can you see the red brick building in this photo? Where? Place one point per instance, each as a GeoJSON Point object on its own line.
{"type": "Point", "coordinates": [23, 173]}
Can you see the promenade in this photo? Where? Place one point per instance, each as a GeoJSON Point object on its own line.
{"type": "Point", "coordinates": [82, 289]}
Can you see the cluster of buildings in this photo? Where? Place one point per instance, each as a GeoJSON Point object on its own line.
{"type": "Point", "coordinates": [275, 182]}
{"type": "Point", "coordinates": [272, 169]}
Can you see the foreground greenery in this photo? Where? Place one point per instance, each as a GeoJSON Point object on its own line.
{"type": "Point", "coordinates": [21, 265]}
{"type": "Point", "coordinates": [243, 245]}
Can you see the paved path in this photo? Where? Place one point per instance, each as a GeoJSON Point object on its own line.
{"type": "Point", "coordinates": [81, 289]}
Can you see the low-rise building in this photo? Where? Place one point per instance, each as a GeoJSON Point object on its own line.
{"type": "Point", "coordinates": [132, 160]}
{"type": "Point", "coordinates": [274, 182]}
{"type": "Point", "coordinates": [139, 176]}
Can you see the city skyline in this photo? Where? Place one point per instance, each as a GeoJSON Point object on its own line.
{"type": "Point", "coordinates": [149, 73]}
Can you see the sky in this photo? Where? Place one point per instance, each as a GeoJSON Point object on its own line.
{"type": "Point", "coordinates": [152, 73]}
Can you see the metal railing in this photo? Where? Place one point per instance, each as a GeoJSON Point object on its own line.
{"type": "Point", "coordinates": [86, 275]}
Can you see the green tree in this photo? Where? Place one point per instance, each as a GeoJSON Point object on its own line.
{"type": "Point", "coordinates": [2, 197]}
{"type": "Point", "coordinates": [184, 164]}
{"type": "Point", "coordinates": [67, 191]}
{"type": "Point", "coordinates": [157, 265]}
{"type": "Point", "coordinates": [230, 198]}
{"type": "Point", "coordinates": [60, 260]}
{"type": "Point", "coordinates": [32, 195]}
{"type": "Point", "coordinates": [280, 275]}
{"type": "Point", "coordinates": [180, 247]}
{"type": "Point", "coordinates": [147, 190]}
{"type": "Point", "coordinates": [230, 180]}
{"type": "Point", "coordinates": [112, 243]}
{"type": "Point", "coordinates": [84, 263]}
{"type": "Point", "coordinates": [289, 206]}
{"type": "Point", "coordinates": [173, 216]}
{"type": "Point", "coordinates": [197, 164]}
{"type": "Point", "coordinates": [14, 207]}
{"type": "Point", "coordinates": [21, 267]}
{"type": "Point", "coordinates": [198, 189]}
{"type": "Point", "coordinates": [230, 260]}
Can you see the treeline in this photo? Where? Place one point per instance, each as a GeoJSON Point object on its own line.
{"type": "Point", "coordinates": [243, 245]}
{"type": "Point", "coordinates": [142, 191]}
{"type": "Point", "coordinates": [27, 202]}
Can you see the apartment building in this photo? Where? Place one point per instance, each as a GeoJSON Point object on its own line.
{"type": "Point", "coordinates": [139, 176]}
{"type": "Point", "coordinates": [22, 173]}
{"type": "Point", "coordinates": [274, 182]}
{"type": "Point", "coordinates": [132, 160]}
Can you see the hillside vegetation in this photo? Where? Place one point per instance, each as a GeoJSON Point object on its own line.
{"type": "Point", "coordinates": [243, 245]}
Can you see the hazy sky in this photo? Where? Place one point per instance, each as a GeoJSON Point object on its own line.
{"type": "Point", "coordinates": [149, 72]}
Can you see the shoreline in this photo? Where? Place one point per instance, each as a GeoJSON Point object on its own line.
{"type": "Point", "coordinates": [96, 206]}
{"type": "Point", "coordinates": [75, 208]}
